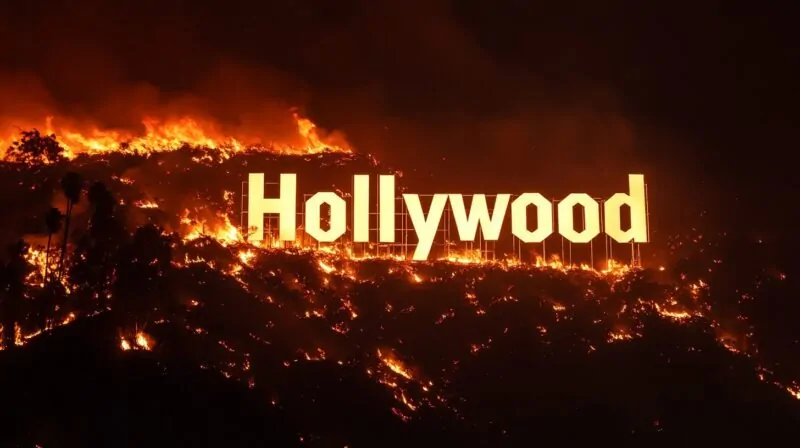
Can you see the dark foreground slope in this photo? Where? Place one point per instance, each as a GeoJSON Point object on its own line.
{"type": "Point", "coordinates": [262, 347]}
{"type": "Point", "coordinates": [75, 388]}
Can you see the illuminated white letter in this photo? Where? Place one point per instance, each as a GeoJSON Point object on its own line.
{"type": "Point", "coordinates": [338, 217]}
{"type": "Point", "coordinates": [361, 208]}
{"type": "Point", "coordinates": [566, 222]}
{"type": "Point", "coordinates": [636, 202]}
{"type": "Point", "coordinates": [479, 212]}
{"type": "Point", "coordinates": [519, 218]}
{"type": "Point", "coordinates": [425, 227]}
{"type": "Point", "coordinates": [386, 211]}
{"type": "Point", "coordinates": [285, 206]}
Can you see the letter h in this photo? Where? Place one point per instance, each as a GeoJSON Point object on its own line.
{"type": "Point", "coordinates": [285, 206]}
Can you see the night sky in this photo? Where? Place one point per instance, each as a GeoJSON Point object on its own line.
{"type": "Point", "coordinates": [514, 95]}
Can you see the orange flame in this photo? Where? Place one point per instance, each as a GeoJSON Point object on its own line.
{"type": "Point", "coordinates": [169, 135]}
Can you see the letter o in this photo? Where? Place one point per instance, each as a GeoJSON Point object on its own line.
{"type": "Point", "coordinates": [338, 217]}
{"type": "Point", "coordinates": [519, 218]}
{"type": "Point", "coordinates": [566, 220]}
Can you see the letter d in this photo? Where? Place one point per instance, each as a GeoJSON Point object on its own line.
{"type": "Point", "coordinates": [636, 201]}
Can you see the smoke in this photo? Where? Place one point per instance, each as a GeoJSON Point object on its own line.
{"type": "Point", "coordinates": [252, 104]}
{"type": "Point", "coordinates": [402, 79]}
{"type": "Point", "coordinates": [457, 96]}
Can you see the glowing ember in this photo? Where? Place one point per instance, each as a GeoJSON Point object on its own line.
{"type": "Point", "coordinates": [141, 341]}
{"type": "Point", "coordinates": [322, 286]}
{"type": "Point", "coordinates": [146, 204]}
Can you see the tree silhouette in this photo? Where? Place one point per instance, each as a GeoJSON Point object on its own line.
{"type": "Point", "coordinates": [46, 299]}
{"type": "Point", "coordinates": [34, 148]}
{"type": "Point", "coordinates": [98, 249]}
{"type": "Point", "coordinates": [53, 220]}
{"type": "Point", "coordinates": [72, 185]}
{"type": "Point", "coordinates": [13, 281]}
{"type": "Point", "coordinates": [142, 275]}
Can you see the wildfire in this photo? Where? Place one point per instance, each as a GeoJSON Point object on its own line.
{"type": "Point", "coordinates": [141, 341]}
{"type": "Point", "coordinates": [159, 135]}
{"type": "Point", "coordinates": [324, 291]}
{"type": "Point", "coordinates": [146, 204]}
{"type": "Point", "coordinates": [395, 365]}
{"type": "Point", "coordinates": [221, 229]}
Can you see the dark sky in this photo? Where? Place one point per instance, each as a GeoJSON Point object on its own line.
{"type": "Point", "coordinates": [516, 95]}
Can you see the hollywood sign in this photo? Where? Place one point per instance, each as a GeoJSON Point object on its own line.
{"type": "Point", "coordinates": [426, 224]}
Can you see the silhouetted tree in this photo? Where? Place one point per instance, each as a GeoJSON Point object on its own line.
{"type": "Point", "coordinates": [13, 281]}
{"type": "Point", "coordinates": [53, 220]}
{"type": "Point", "coordinates": [142, 275]}
{"type": "Point", "coordinates": [98, 248]}
{"type": "Point", "coordinates": [35, 148]}
{"type": "Point", "coordinates": [72, 185]}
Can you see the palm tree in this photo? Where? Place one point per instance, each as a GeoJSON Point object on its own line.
{"type": "Point", "coordinates": [53, 221]}
{"type": "Point", "coordinates": [72, 185]}
{"type": "Point", "coordinates": [97, 251]}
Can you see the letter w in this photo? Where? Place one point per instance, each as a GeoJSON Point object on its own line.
{"type": "Point", "coordinates": [479, 213]}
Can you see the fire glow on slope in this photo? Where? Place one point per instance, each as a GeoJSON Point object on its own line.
{"type": "Point", "coordinates": [165, 135]}
{"type": "Point", "coordinates": [319, 288]}
{"type": "Point", "coordinates": [324, 293]}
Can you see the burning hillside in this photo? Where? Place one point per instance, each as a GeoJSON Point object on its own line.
{"type": "Point", "coordinates": [151, 237]}
{"type": "Point", "coordinates": [168, 134]}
